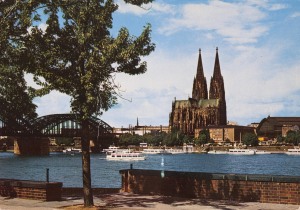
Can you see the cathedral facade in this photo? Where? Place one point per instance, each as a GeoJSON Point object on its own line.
{"type": "Point", "coordinates": [202, 109]}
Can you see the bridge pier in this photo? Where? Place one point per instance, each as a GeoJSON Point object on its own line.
{"type": "Point", "coordinates": [31, 146]}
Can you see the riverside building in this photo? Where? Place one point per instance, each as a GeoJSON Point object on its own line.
{"type": "Point", "coordinates": [202, 109]}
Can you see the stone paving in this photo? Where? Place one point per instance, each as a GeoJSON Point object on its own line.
{"type": "Point", "coordinates": [127, 201]}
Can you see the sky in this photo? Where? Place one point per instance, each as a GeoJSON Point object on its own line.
{"type": "Point", "coordinates": [259, 50]}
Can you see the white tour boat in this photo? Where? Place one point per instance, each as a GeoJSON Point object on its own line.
{"type": "Point", "coordinates": [188, 148]}
{"type": "Point", "coordinates": [295, 151]}
{"type": "Point", "coordinates": [155, 151]}
{"type": "Point", "coordinates": [72, 151]}
{"type": "Point", "coordinates": [219, 152]}
{"type": "Point", "coordinates": [241, 152]}
{"type": "Point", "coordinates": [126, 156]}
{"type": "Point", "coordinates": [112, 149]}
{"type": "Point", "coordinates": [262, 152]}
{"type": "Point", "coordinates": [175, 151]}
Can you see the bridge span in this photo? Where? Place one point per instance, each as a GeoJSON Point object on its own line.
{"type": "Point", "coordinates": [32, 138]}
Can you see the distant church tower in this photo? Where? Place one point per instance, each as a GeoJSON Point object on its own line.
{"type": "Point", "coordinates": [217, 90]}
{"type": "Point", "coordinates": [201, 110]}
{"type": "Point", "coordinates": [200, 85]}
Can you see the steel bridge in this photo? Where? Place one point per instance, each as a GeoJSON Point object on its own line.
{"type": "Point", "coordinates": [55, 125]}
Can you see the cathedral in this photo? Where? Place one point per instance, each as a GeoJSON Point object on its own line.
{"type": "Point", "coordinates": [201, 110]}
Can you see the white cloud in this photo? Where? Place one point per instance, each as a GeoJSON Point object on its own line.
{"type": "Point", "coordinates": [295, 15]}
{"type": "Point", "coordinates": [259, 3]}
{"type": "Point", "coordinates": [169, 75]}
{"type": "Point", "coordinates": [53, 103]}
{"type": "Point", "coordinates": [30, 82]}
{"type": "Point", "coordinates": [129, 8]}
{"type": "Point", "coordinates": [152, 107]}
{"type": "Point", "coordinates": [255, 87]}
{"type": "Point", "coordinates": [145, 9]}
{"type": "Point", "coordinates": [260, 85]}
{"type": "Point", "coordinates": [275, 7]}
{"type": "Point", "coordinates": [165, 69]}
{"type": "Point", "coordinates": [238, 23]}
{"type": "Point", "coordinates": [42, 26]}
{"type": "Point", "coordinates": [258, 81]}
{"type": "Point", "coordinates": [163, 8]}
{"type": "Point", "coordinates": [266, 4]}
{"type": "Point", "coordinates": [209, 36]}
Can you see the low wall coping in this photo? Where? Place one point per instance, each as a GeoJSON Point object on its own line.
{"type": "Point", "coordinates": [29, 183]}
{"type": "Point", "coordinates": [216, 176]}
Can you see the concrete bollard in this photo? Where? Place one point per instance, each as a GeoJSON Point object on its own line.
{"type": "Point", "coordinates": [47, 174]}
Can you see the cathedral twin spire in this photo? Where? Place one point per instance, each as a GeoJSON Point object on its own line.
{"type": "Point", "coordinates": [216, 90]}
{"type": "Point", "coordinates": [200, 85]}
{"type": "Point", "coordinates": [201, 110]}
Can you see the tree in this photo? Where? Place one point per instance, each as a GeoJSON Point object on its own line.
{"type": "Point", "coordinates": [250, 139]}
{"type": "Point", "coordinates": [130, 139]}
{"type": "Point", "coordinates": [15, 101]}
{"type": "Point", "coordinates": [76, 55]}
{"type": "Point", "coordinates": [153, 140]}
{"type": "Point", "coordinates": [280, 139]}
{"type": "Point", "coordinates": [15, 98]}
{"type": "Point", "coordinates": [175, 137]}
{"type": "Point", "coordinates": [292, 137]}
{"type": "Point", "coordinates": [203, 137]}
{"type": "Point", "coordinates": [186, 140]}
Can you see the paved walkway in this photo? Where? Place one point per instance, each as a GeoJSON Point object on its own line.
{"type": "Point", "coordinates": [130, 201]}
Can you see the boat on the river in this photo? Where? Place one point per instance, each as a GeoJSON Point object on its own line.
{"type": "Point", "coordinates": [219, 152]}
{"type": "Point", "coordinates": [125, 156]}
{"type": "Point", "coordinates": [155, 151]}
{"type": "Point", "coordinates": [175, 151]}
{"type": "Point", "coordinates": [295, 151]}
{"type": "Point", "coordinates": [241, 152]}
{"type": "Point", "coordinates": [72, 151]}
{"type": "Point", "coordinates": [112, 149]}
{"type": "Point", "coordinates": [188, 148]}
{"type": "Point", "coordinates": [262, 152]}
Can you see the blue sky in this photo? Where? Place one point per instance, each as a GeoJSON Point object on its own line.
{"type": "Point", "coordinates": [259, 51]}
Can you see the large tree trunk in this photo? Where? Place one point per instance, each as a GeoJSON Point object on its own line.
{"type": "Point", "coordinates": [86, 165]}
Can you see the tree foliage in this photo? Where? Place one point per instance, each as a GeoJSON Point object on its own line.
{"type": "Point", "coordinates": [250, 139]}
{"type": "Point", "coordinates": [15, 101]}
{"type": "Point", "coordinates": [280, 138]}
{"type": "Point", "coordinates": [203, 137]}
{"type": "Point", "coordinates": [130, 139]}
{"type": "Point", "coordinates": [174, 138]}
{"type": "Point", "coordinates": [15, 98]}
{"type": "Point", "coordinates": [79, 57]}
{"type": "Point", "coordinates": [292, 137]}
{"type": "Point", "coordinates": [75, 54]}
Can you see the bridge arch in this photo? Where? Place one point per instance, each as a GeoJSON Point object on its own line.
{"type": "Point", "coordinates": [69, 125]}
{"type": "Point", "coordinates": [33, 137]}
{"type": "Point", "coordinates": [10, 127]}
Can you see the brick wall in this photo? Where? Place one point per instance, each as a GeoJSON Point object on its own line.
{"type": "Point", "coordinates": [48, 191]}
{"type": "Point", "coordinates": [239, 187]}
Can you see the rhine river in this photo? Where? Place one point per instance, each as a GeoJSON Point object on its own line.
{"type": "Point", "coordinates": [67, 169]}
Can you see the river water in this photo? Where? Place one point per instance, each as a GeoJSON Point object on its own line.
{"type": "Point", "coordinates": [67, 169]}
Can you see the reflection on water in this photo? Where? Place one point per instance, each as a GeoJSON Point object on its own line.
{"type": "Point", "coordinates": [67, 169]}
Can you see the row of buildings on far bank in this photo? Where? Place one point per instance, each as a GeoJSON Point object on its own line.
{"type": "Point", "coordinates": [268, 128]}
{"type": "Point", "coordinates": [206, 110]}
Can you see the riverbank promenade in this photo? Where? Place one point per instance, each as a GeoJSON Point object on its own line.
{"type": "Point", "coordinates": [133, 201]}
